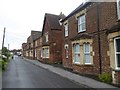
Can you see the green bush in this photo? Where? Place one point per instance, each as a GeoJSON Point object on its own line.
{"type": "Point", "coordinates": [105, 77]}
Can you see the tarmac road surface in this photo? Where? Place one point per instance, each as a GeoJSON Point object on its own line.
{"type": "Point", "coordinates": [22, 74]}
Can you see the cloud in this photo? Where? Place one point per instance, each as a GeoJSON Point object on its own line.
{"type": "Point", "coordinates": [21, 16]}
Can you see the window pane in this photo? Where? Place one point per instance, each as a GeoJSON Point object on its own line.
{"type": "Point", "coordinates": [77, 58]}
{"type": "Point", "coordinates": [66, 53]}
{"type": "Point", "coordinates": [66, 30]}
{"type": "Point", "coordinates": [78, 28]}
{"type": "Point", "coordinates": [87, 53]}
{"type": "Point", "coordinates": [86, 48]}
{"type": "Point", "coordinates": [81, 27]}
{"type": "Point", "coordinates": [84, 27]}
{"type": "Point", "coordinates": [118, 45]}
{"type": "Point", "coordinates": [76, 53]}
{"type": "Point", "coordinates": [77, 48]}
{"type": "Point", "coordinates": [118, 60]}
{"type": "Point", "coordinates": [83, 19]}
{"type": "Point", "coordinates": [81, 23]}
{"type": "Point", "coordinates": [87, 58]}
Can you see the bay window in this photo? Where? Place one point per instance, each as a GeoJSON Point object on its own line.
{"type": "Point", "coordinates": [117, 52]}
{"type": "Point", "coordinates": [87, 53]}
{"type": "Point", "coordinates": [76, 51]}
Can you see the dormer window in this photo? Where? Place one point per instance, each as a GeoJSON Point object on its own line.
{"type": "Point", "coordinates": [81, 23]}
{"type": "Point", "coordinates": [118, 8]}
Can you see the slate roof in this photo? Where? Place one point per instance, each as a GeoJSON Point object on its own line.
{"type": "Point", "coordinates": [53, 21]}
{"type": "Point", "coordinates": [34, 35]}
{"type": "Point", "coordinates": [82, 36]}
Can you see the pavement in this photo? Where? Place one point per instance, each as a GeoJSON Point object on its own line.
{"type": "Point", "coordinates": [88, 82]}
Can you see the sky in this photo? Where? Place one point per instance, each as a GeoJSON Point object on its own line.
{"type": "Point", "coordinates": [19, 17]}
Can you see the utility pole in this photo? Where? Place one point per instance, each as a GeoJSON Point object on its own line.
{"type": "Point", "coordinates": [3, 42]}
{"type": "Point", "coordinates": [8, 46]}
{"type": "Point", "coordinates": [3, 38]}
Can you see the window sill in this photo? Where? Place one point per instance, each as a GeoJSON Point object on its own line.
{"type": "Point", "coordinates": [77, 63]}
{"type": "Point", "coordinates": [116, 69]}
{"type": "Point", "coordinates": [88, 64]}
{"type": "Point", "coordinates": [118, 20]}
{"type": "Point", "coordinates": [81, 31]}
{"type": "Point", "coordinates": [66, 36]}
{"type": "Point", "coordinates": [83, 64]}
{"type": "Point", "coordinates": [45, 57]}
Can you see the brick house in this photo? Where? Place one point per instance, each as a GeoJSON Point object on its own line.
{"type": "Point", "coordinates": [31, 49]}
{"type": "Point", "coordinates": [91, 39]}
{"type": "Point", "coordinates": [52, 38]}
{"type": "Point", "coordinates": [24, 48]}
{"type": "Point", "coordinates": [38, 45]}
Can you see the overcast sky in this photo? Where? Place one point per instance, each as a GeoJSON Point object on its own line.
{"type": "Point", "coordinates": [21, 16]}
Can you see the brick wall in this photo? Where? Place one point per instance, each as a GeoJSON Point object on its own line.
{"type": "Point", "coordinates": [56, 45]}
{"type": "Point", "coordinates": [107, 18]}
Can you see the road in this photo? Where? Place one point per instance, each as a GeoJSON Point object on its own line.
{"type": "Point", "coordinates": [23, 74]}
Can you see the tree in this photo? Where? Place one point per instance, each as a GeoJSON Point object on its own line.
{"type": "Point", "coordinates": [5, 52]}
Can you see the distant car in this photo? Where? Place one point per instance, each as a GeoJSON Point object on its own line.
{"type": "Point", "coordinates": [19, 54]}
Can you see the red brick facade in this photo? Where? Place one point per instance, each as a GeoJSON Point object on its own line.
{"type": "Point", "coordinates": [102, 26]}
{"type": "Point", "coordinates": [52, 28]}
{"type": "Point", "coordinates": [107, 17]}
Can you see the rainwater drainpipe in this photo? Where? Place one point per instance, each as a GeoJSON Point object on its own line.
{"type": "Point", "coordinates": [99, 43]}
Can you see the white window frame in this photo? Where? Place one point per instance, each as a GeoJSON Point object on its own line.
{"type": "Point", "coordinates": [66, 51]}
{"type": "Point", "coordinates": [47, 52]}
{"type": "Point", "coordinates": [118, 8]}
{"type": "Point", "coordinates": [76, 53]}
{"type": "Point", "coordinates": [116, 53]}
{"type": "Point", "coordinates": [35, 53]}
{"type": "Point", "coordinates": [80, 23]}
{"type": "Point", "coordinates": [41, 52]}
{"type": "Point", "coordinates": [66, 29]}
{"type": "Point", "coordinates": [87, 53]}
{"type": "Point", "coordinates": [46, 37]}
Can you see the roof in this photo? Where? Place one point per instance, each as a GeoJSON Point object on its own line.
{"type": "Point", "coordinates": [53, 21]}
{"type": "Point", "coordinates": [79, 8]}
{"type": "Point", "coordinates": [82, 36]}
{"type": "Point", "coordinates": [34, 35]}
{"type": "Point", "coordinates": [114, 28]}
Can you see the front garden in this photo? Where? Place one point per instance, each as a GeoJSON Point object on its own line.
{"type": "Point", "coordinates": [4, 58]}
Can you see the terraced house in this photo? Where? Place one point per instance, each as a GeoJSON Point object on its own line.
{"type": "Point", "coordinates": [52, 38]}
{"type": "Point", "coordinates": [24, 49]}
{"type": "Point", "coordinates": [91, 39]}
{"type": "Point", "coordinates": [30, 48]}
{"type": "Point", "coordinates": [38, 46]}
